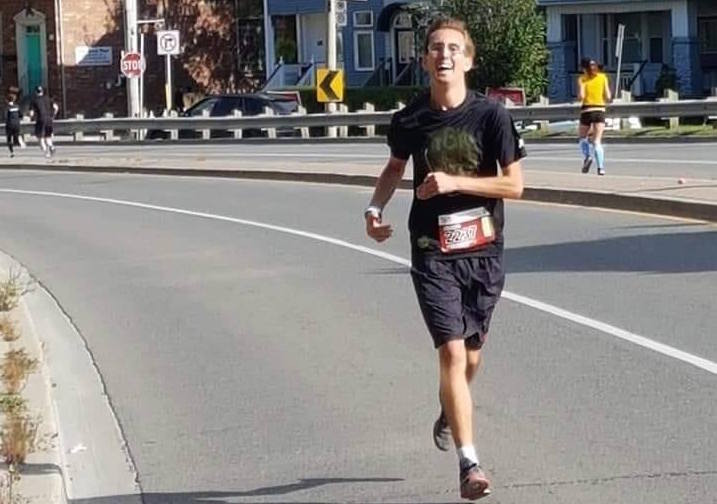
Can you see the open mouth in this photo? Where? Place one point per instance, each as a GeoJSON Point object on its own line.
{"type": "Point", "coordinates": [443, 67]}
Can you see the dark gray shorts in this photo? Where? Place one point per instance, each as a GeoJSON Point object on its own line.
{"type": "Point", "coordinates": [457, 296]}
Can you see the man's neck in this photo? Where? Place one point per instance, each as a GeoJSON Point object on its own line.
{"type": "Point", "coordinates": [445, 97]}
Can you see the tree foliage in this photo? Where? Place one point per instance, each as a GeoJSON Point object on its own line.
{"type": "Point", "coordinates": [509, 36]}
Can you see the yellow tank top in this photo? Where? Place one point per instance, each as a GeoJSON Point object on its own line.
{"type": "Point", "coordinates": [594, 86]}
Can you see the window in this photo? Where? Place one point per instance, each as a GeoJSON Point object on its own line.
{"type": "Point", "coordinates": [363, 50]}
{"type": "Point", "coordinates": [632, 45]}
{"type": "Point", "coordinates": [708, 35]}
{"type": "Point", "coordinates": [363, 19]}
{"type": "Point", "coordinates": [570, 28]}
{"type": "Point", "coordinates": [206, 104]}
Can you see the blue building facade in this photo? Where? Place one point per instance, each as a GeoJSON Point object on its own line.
{"type": "Point", "coordinates": [376, 37]}
{"type": "Point", "coordinates": [668, 43]}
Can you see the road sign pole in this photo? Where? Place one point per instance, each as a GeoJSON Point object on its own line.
{"type": "Point", "coordinates": [618, 55]}
{"type": "Point", "coordinates": [168, 84]}
{"type": "Point", "coordinates": [331, 56]}
{"type": "Point", "coordinates": [131, 45]}
{"type": "Point", "coordinates": [141, 77]}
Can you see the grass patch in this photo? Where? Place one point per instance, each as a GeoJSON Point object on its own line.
{"type": "Point", "coordinates": [15, 369]}
{"type": "Point", "coordinates": [12, 289]}
{"type": "Point", "coordinates": [12, 404]}
{"type": "Point", "coordinates": [18, 438]}
{"type": "Point", "coordinates": [682, 131]}
{"type": "Point", "coordinates": [8, 329]}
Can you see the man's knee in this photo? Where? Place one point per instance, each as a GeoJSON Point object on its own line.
{"type": "Point", "coordinates": [453, 353]}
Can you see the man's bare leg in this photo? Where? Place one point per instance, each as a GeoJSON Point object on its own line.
{"type": "Point", "coordinates": [454, 392]}
{"type": "Point", "coordinates": [473, 361]}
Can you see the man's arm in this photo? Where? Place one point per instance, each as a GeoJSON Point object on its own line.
{"type": "Point", "coordinates": [507, 185]}
{"type": "Point", "coordinates": [386, 185]}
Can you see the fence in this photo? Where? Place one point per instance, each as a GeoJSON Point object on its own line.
{"type": "Point", "coordinates": [367, 119]}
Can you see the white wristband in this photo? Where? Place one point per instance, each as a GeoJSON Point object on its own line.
{"type": "Point", "coordinates": [373, 211]}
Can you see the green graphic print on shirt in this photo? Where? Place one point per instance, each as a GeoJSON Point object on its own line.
{"type": "Point", "coordinates": [453, 151]}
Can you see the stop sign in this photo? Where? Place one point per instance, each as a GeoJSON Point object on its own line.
{"type": "Point", "coordinates": [132, 65]}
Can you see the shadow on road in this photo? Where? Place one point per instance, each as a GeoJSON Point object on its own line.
{"type": "Point", "coordinates": [655, 253]}
{"type": "Point", "coordinates": [219, 497]}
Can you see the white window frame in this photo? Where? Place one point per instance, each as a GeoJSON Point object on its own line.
{"type": "Point", "coordinates": [357, 34]}
{"type": "Point", "coordinates": [363, 25]}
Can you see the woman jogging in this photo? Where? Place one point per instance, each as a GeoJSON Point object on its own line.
{"type": "Point", "coordinates": [594, 94]}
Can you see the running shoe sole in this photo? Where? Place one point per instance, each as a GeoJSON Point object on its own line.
{"type": "Point", "coordinates": [586, 164]}
{"type": "Point", "coordinates": [442, 433]}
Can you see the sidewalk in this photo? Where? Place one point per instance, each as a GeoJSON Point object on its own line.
{"type": "Point", "coordinates": [690, 198]}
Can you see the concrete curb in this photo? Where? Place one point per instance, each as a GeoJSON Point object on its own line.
{"type": "Point", "coordinates": [91, 454]}
{"type": "Point", "coordinates": [601, 199]}
{"type": "Point", "coordinates": [41, 480]}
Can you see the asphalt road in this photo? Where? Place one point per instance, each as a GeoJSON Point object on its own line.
{"type": "Point", "coordinates": [695, 161]}
{"type": "Point", "coordinates": [246, 364]}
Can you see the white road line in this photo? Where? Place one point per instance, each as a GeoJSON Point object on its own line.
{"type": "Point", "coordinates": [617, 332]}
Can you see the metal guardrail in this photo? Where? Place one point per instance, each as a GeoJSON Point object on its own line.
{"type": "Point", "coordinates": [683, 108]}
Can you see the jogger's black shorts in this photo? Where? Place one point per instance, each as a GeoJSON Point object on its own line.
{"type": "Point", "coordinates": [43, 129]}
{"type": "Point", "coordinates": [457, 296]}
{"type": "Point", "coordinates": [592, 117]}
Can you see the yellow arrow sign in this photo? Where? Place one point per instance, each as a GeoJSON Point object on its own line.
{"type": "Point", "coordinates": [330, 85]}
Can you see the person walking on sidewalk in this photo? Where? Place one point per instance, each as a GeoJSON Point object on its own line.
{"type": "Point", "coordinates": [594, 94]}
{"type": "Point", "coordinates": [457, 138]}
{"type": "Point", "coordinates": [43, 110]}
{"type": "Point", "coordinates": [12, 123]}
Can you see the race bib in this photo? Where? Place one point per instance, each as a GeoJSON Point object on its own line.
{"type": "Point", "coordinates": [466, 230]}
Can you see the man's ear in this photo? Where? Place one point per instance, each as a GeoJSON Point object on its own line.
{"type": "Point", "coordinates": [468, 64]}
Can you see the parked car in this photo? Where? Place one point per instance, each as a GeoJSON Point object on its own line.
{"type": "Point", "coordinates": [282, 103]}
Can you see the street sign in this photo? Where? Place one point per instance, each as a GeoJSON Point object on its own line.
{"type": "Point", "coordinates": [330, 85]}
{"type": "Point", "coordinates": [168, 42]}
{"type": "Point", "coordinates": [341, 15]}
{"type": "Point", "coordinates": [132, 65]}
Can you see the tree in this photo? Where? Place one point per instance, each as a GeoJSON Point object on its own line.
{"type": "Point", "coordinates": [509, 36]}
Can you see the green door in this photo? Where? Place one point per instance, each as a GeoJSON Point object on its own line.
{"type": "Point", "coordinates": [33, 57]}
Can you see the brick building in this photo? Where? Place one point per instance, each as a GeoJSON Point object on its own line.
{"type": "Point", "coordinates": [73, 48]}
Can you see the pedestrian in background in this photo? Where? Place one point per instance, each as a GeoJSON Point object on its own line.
{"type": "Point", "coordinates": [466, 158]}
{"type": "Point", "coordinates": [594, 94]}
{"type": "Point", "coordinates": [12, 123]}
{"type": "Point", "coordinates": [43, 111]}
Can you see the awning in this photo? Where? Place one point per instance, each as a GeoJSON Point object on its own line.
{"type": "Point", "coordinates": [384, 19]}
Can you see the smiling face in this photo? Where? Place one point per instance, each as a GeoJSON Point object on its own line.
{"type": "Point", "coordinates": [446, 59]}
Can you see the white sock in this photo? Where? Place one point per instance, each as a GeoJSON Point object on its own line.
{"type": "Point", "coordinates": [43, 144]}
{"type": "Point", "coordinates": [467, 455]}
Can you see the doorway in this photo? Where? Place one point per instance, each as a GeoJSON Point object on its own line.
{"type": "Point", "coordinates": [30, 37]}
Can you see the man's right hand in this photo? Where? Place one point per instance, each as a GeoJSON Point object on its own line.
{"type": "Point", "coordinates": [376, 229]}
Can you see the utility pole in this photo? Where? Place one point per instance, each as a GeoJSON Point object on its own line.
{"type": "Point", "coordinates": [130, 44]}
{"type": "Point", "coordinates": [331, 55]}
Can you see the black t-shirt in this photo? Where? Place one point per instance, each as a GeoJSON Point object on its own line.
{"type": "Point", "coordinates": [43, 109]}
{"type": "Point", "coordinates": [12, 116]}
{"type": "Point", "coordinates": [471, 139]}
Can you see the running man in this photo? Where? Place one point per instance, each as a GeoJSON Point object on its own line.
{"type": "Point", "coordinates": [12, 123]}
{"type": "Point", "coordinates": [594, 94]}
{"type": "Point", "coordinates": [457, 138]}
{"type": "Point", "coordinates": [43, 110]}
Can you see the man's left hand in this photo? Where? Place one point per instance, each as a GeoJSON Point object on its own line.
{"type": "Point", "coordinates": [436, 183]}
